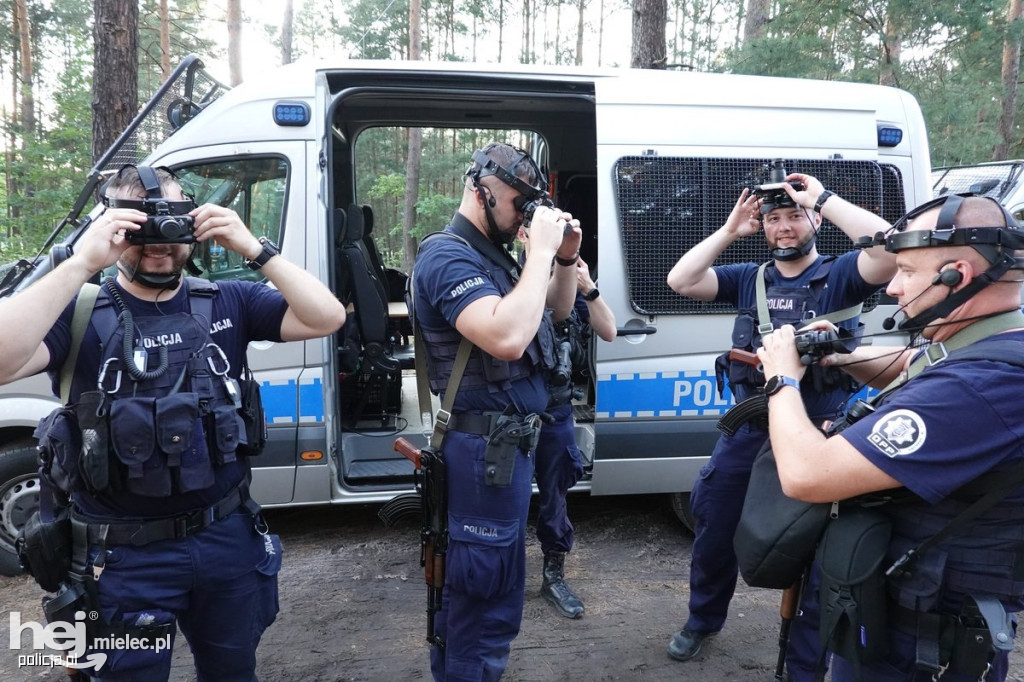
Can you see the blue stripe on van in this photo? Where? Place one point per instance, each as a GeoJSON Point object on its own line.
{"type": "Point", "coordinates": [661, 394]}
{"type": "Point", "coordinates": [668, 394]}
{"type": "Point", "coordinates": [282, 402]}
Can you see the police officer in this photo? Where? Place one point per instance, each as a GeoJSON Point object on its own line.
{"type": "Point", "coordinates": [559, 463]}
{"type": "Point", "coordinates": [952, 421]}
{"type": "Point", "coordinates": [466, 284]}
{"type": "Point", "coordinates": [797, 285]}
{"type": "Point", "coordinates": [159, 489]}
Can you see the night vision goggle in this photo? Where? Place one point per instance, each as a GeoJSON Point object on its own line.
{"type": "Point", "coordinates": [530, 197]}
{"type": "Point", "coordinates": [168, 222]}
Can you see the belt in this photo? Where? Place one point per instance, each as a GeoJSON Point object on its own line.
{"type": "Point", "coordinates": [476, 424]}
{"type": "Point", "coordinates": [172, 528]}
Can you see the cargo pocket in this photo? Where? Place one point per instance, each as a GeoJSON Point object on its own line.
{"type": "Point", "coordinates": [267, 592]}
{"type": "Point", "coordinates": [481, 556]}
{"type": "Point", "coordinates": [179, 434]}
{"type": "Point", "coordinates": [227, 427]}
{"type": "Point", "coordinates": [154, 644]}
{"type": "Point", "coordinates": [573, 470]}
{"type": "Point", "coordinates": [133, 434]}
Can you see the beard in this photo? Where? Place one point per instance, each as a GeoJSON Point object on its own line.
{"type": "Point", "coordinates": [132, 259]}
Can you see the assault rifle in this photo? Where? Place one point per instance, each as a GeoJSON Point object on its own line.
{"type": "Point", "coordinates": [787, 612]}
{"type": "Point", "coordinates": [432, 487]}
{"type": "Point", "coordinates": [753, 408]}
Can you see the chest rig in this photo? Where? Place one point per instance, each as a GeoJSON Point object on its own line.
{"type": "Point", "coordinates": [164, 410]}
{"type": "Point", "coordinates": [777, 305]}
{"type": "Point", "coordinates": [484, 370]}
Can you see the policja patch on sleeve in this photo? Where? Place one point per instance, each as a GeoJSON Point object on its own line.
{"type": "Point", "coordinates": [900, 432]}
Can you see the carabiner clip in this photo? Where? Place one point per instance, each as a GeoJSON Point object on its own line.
{"type": "Point", "coordinates": [103, 375]}
{"type": "Point", "coordinates": [210, 359]}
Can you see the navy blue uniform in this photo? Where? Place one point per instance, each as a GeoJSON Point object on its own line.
{"type": "Point", "coordinates": [220, 583]}
{"type": "Point", "coordinates": [917, 436]}
{"type": "Point", "coordinates": [718, 493]}
{"type": "Point", "coordinates": [485, 579]}
{"type": "Point", "coordinates": [559, 466]}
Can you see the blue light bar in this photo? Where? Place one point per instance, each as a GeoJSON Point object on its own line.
{"type": "Point", "coordinates": [889, 137]}
{"type": "Point", "coordinates": [291, 113]}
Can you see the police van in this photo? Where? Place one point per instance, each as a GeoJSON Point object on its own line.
{"type": "Point", "coordinates": [651, 162]}
{"type": "Point", "coordinates": [1000, 180]}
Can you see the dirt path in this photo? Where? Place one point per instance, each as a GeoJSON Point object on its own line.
{"type": "Point", "coordinates": [353, 600]}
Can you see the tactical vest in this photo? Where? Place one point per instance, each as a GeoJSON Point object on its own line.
{"type": "Point", "coordinates": [483, 369]}
{"type": "Point", "coordinates": [158, 428]}
{"type": "Point", "coordinates": [985, 563]}
{"type": "Point", "coordinates": [795, 305]}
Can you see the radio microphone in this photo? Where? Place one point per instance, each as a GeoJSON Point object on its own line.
{"type": "Point", "coordinates": [890, 322]}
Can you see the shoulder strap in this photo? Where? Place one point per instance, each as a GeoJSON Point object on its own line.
{"type": "Point", "coordinates": [440, 421]}
{"type": "Point", "coordinates": [79, 321]}
{"type": "Point", "coordinates": [201, 293]}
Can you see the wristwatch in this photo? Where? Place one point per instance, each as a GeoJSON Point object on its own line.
{"type": "Point", "coordinates": [822, 198]}
{"type": "Point", "coordinates": [591, 295]}
{"type": "Point", "coordinates": [776, 384]}
{"type": "Point", "coordinates": [269, 251]}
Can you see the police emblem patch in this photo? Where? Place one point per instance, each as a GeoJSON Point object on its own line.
{"type": "Point", "coordinates": [901, 432]}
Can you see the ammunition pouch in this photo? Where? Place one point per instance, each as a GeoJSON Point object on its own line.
{"type": "Point", "coordinates": [963, 643]}
{"type": "Point", "coordinates": [511, 433]}
{"type": "Point", "coordinates": [44, 548]}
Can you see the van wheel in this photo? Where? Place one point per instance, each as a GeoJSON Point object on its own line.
{"type": "Point", "coordinates": [19, 497]}
{"type": "Point", "coordinates": [681, 508]}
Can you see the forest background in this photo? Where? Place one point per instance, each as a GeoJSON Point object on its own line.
{"type": "Point", "coordinates": [73, 74]}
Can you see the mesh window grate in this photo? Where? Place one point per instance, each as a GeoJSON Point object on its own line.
{"type": "Point", "coordinates": [156, 126]}
{"type": "Point", "coordinates": [993, 180]}
{"type": "Point", "coordinates": [668, 205]}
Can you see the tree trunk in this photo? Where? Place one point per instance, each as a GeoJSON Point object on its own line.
{"type": "Point", "coordinates": [580, 6]}
{"type": "Point", "coordinates": [287, 29]}
{"type": "Point", "coordinates": [892, 48]}
{"type": "Point", "coordinates": [165, 41]}
{"type": "Point", "coordinates": [24, 33]}
{"type": "Point", "coordinates": [115, 83]}
{"type": "Point", "coordinates": [235, 41]}
{"type": "Point", "coordinates": [1011, 71]}
{"type": "Point", "coordinates": [415, 150]}
{"type": "Point", "coordinates": [649, 21]}
{"type": "Point", "coordinates": [501, 27]}
{"type": "Point", "coordinates": [757, 19]}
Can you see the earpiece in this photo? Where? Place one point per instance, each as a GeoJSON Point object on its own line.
{"type": "Point", "coordinates": [483, 196]}
{"type": "Point", "coordinates": [949, 278]}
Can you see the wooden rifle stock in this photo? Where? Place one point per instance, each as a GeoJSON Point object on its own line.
{"type": "Point", "coordinates": [744, 356]}
{"type": "Point", "coordinates": [409, 451]}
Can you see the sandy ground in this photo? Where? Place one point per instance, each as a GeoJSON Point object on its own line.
{"type": "Point", "coordinates": [353, 605]}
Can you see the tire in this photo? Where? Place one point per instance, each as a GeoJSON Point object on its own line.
{"type": "Point", "coordinates": [19, 497]}
{"type": "Point", "coordinates": [680, 503]}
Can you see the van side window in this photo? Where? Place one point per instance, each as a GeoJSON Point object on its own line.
{"type": "Point", "coordinates": [253, 187]}
{"type": "Point", "coordinates": [667, 205]}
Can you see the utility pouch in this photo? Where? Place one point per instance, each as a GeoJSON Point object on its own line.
{"type": "Point", "coordinates": [982, 629]}
{"type": "Point", "coordinates": [94, 466]}
{"type": "Point", "coordinates": [44, 548]}
{"type": "Point", "coordinates": [852, 591]}
{"type": "Point", "coordinates": [252, 416]}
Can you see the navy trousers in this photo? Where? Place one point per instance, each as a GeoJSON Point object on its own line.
{"type": "Point", "coordinates": [485, 577]}
{"type": "Point", "coordinates": [219, 584]}
{"type": "Point", "coordinates": [716, 502]}
{"type": "Point", "coordinates": [558, 466]}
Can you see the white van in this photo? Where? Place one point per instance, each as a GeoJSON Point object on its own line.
{"type": "Point", "coordinates": [651, 162]}
{"type": "Point", "coordinates": [1001, 180]}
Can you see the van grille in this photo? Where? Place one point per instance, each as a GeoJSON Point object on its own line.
{"type": "Point", "coordinates": [667, 205]}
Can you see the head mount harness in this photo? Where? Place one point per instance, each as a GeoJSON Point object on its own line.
{"type": "Point", "coordinates": [484, 166]}
{"type": "Point", "coordinates": [996, 243]}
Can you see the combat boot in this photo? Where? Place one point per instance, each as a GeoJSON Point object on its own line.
{"type": "Point", "coordinates": [554, 588]}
